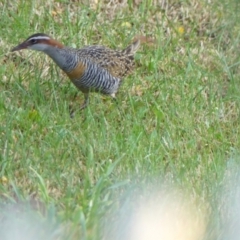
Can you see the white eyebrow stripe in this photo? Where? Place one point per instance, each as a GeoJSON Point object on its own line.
{"type": "Point", "coordinates": [39, 37]}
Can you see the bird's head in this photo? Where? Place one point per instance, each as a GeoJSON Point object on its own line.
{"type": "Point", "coordinates": [39, 42]}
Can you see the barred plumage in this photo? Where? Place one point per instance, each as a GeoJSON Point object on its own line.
{"type": "Point", "coordinates": [92, 68]}
{"type": "Point", "coordinates": [96, 79]}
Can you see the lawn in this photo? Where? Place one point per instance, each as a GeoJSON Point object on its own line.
{"type": "Point", "coordinates": [161, 163]}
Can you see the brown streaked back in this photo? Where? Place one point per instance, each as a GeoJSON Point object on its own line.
{"type": "Point", "coordinates": [118, 62]}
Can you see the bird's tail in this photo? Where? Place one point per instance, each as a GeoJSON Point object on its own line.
{"type": "Point", "coordinates": [131, 49]}
{"type": "Point", "coordinates": [137, 41]}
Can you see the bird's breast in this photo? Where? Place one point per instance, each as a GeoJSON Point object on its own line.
{"type": "Point", "coordinates": [77, 72]}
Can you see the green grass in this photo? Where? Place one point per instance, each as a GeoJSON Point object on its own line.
{"type": "Point", "coordinates": [175, 127]}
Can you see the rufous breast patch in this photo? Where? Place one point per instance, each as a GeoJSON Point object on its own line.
{"type": "Point", "coordinates": [77, 72]}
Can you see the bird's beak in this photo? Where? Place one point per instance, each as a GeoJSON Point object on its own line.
{"type": "Point", "coordinates": [21, 46]}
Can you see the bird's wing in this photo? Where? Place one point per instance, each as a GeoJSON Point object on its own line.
{"type": "Point", "coordinates": [116, 62]}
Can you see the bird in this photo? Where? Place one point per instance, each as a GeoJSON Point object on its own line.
{"type": "Point", "coordinates": [93, 68]}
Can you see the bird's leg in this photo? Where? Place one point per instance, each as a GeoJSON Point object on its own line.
{"type": "Point", "coordinates": [71, 109]}
{"type": "Point", "coordinates": [84, 105]}
{"type": "Point", "coordinates": [120, 110]}
{"type": "Point", "coordinates": [113, 95]}
{"type": "Point", "coordinates": [86, 101]}
{"type": "Point", "coordinates": [71, 112]}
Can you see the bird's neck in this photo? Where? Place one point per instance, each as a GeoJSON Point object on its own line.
{"type": "Point", "coordinates": [63, 57]}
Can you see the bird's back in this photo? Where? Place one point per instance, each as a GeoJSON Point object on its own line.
{"type": "Point", "coordinates": [118, 63]}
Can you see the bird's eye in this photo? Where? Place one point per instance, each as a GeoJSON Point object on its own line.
{"type": "Point", "coordinates": [33, 41]}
